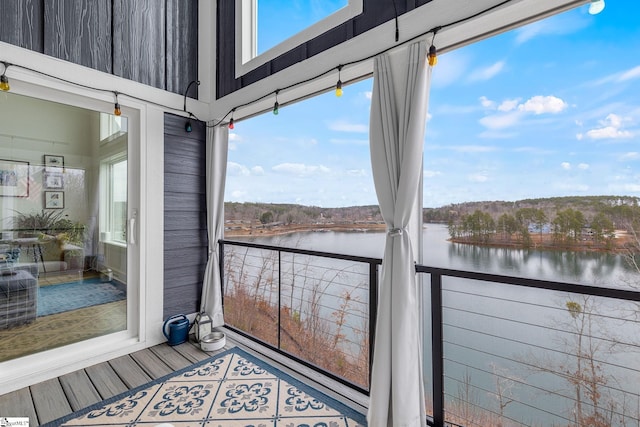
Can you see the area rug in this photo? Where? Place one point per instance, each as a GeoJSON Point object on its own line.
{"type": "Point", "coordinates": [68, 296]}
{"type": "Point", "coordinates": [233, 388]}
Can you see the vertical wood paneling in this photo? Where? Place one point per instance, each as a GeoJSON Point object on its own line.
{"type": "Point", "coordinates": [139, 41]}
{"type": "Point", "coordinates": [185, 237]}
{"type": "Point", "coordinates": [79, 31]}
{"type": "Point", "coordinates": [182, 45]}
{"type": "Point", "coordinates": [21, 23]}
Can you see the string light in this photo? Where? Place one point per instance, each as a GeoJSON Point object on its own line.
{"type": "Point", "coordinates": [4, 81]}
{"type": "Point", "coordinates": [231, 125]}
{"type": "Point", "coordinates": [339, 84]}
{"type": "Point", "coordinates": [116, 108]}
{"type": "Point", "coordinates": [433, 56]}
{"type": "Point", "coordinates": [596, 7]}
{"type": "Point", "coordinates": [214, 123]}
{"type": "Point", "coordinates": [188, 127]}
{"type": "Point", "coordinates": [276, 106]}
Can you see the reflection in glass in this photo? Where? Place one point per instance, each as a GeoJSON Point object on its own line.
{"type": "Point", "coordinates": [63, 253]}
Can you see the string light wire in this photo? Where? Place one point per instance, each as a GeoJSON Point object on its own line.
{"type": "Point", "coordinates": [215, 123]}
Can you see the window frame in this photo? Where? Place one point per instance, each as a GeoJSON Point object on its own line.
{"type": "Point", "coordinates": [246, 34]}
{"type": "Point", "coordinates": [107, 213]}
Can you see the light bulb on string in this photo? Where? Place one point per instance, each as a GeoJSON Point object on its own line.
{"type": "Point", "coordinates": [4, 80]}
{"type": "Point", "coordinates": [339, 84]}
{"type": "Point", "coordinates": [116, 107]}
{"type": "Point", "coordinates": [276, 106]}
{"type": "Point", "coordinates": [231, 123]}
{"type": "Point", "coordinates": [433, 56]}
{"type": "Point", "coordinates": [596, 7]}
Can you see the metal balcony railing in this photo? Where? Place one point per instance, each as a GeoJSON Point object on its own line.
{"type": "Point", "coordinates": [503, 351]}
{"type": "Point", "coordinates": [315, 307]}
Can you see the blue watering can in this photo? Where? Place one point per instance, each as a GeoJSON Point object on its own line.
{"type": "Point", "coordinates": [178, 329]}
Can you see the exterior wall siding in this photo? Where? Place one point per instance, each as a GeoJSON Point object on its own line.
{"type": "Point", "coordinates": [186, 244]}
{"type": "Point", "coordinates": [148, 41]}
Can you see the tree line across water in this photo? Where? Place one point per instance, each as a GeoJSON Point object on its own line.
{"type": "Point", "coordinates": [603, 222]}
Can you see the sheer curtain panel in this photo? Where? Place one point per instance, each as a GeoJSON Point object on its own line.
{"type": "Point", "coordinates": [398, 116]}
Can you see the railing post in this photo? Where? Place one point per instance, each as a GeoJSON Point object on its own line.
{"type": "Point", "coordinates": [221, 266]}
{"type": "Point", "coordinates": [437, 350]}
{"type": "Point", "coordinates": [279, 296]}
{"type": "Point", "coordinates": [373, 311]}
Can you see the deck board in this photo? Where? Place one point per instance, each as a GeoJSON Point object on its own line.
{"type": "Point", "coordinates": [129, 371]}
{"type": "Point", "coordinates": [18, 404]}
{"type": "Point", "coordinates": [151, 363]}
{"type": "Point", "coordinates": [79, 390]}
{"type": "Point", "coordinates": [50, 400]}
{"type": "Point", "coordinates": [105, 380]}
{"type": "Point", "coordinates": [171, 357]}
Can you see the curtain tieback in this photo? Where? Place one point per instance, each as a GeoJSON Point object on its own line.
{"type": "Point", "coordinates": [395, 232]}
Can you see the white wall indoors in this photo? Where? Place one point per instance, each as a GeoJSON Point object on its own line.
{"type": "Point", "coordinates": [31, 128]}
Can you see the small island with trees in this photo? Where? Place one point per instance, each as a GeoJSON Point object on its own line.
{"type": "Point", "coordinates": [590, 223]}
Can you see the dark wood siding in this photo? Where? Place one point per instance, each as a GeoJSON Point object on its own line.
{"type": "Point", "coordinates": [154, 42]}
{"type": "Point", "coordinates": [186, 244]}
{"type": "Point", "coordinates": [138, 41]}
{"type": "Point", "coordinates": [79, 31]}
{"type": "Point", "coordinates": [182, 45]}
{"type": "Point", "coordinates": [21, 23]}
{"type": "Point", "coordinates": [375, 13]}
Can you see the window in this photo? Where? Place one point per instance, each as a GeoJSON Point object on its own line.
{"type": "Point", "coordinates": [266, 29]}
{"type": "Point", "coordinates": [114, 187]}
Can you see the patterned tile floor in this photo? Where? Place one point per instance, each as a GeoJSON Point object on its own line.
{"type": "Point", "coordinates": [235, 389]}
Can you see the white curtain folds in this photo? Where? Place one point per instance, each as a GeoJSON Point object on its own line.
{"type": "Point", "coordinates": [398, 117]}
{"type": "Point", "coordinates": [216, 158]}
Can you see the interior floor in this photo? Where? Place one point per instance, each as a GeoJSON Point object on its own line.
{"type": "Point", "coordinates": [65, 328]}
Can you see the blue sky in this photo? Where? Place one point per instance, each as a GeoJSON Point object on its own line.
{"type": "Point", "coordinates": [551, 109]}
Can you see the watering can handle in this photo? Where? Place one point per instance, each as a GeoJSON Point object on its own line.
{"type": "Point", "coordinates": [166, 322]}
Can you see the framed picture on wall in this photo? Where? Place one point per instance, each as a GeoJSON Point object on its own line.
{"type": "Point", "coordinates": [54, 199]}
{"type": "Point", "coordinates": [14, 178]}
{"type": "Point", "coordinates": [53, 181]}
{"type": "Point", "coordinates": [53, 163]}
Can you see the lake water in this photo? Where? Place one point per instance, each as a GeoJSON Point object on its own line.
{"type": "Point", "coordinates": [518, 341]}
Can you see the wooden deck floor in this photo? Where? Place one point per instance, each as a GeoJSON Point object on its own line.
{"type": "Point", "coordinates": [55, 398]}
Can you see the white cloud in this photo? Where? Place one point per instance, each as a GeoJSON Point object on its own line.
{"type": "Point", "coordinates": [543, 104]}
{"type": "Point", "coordinates": [632, 155]}
{"type": "Point", "coordinates": [238, 194]}
{"type": "Point", "coordinates": [257, 170]}
{"type": "Point", "coordinates": [430, 174]}
{"type": "Point", "coordinates": [487, 73]}
{"type": "Point", "coordinates": [478, 177]}
{"type": "Point", "coordinates": [300, 169]}
{"type": "Point", "coordinates": [236, 169]}
{"type": "Point", "coordinates": [357, 172]}
{"type": "Point", "coordinates": [566, 166]}
{"type": "Point", "coordinates": [508, 105]}
{"type": "Point", "coordinates": [500, 121]}
{"type": "Point", "coordinates": [368, 94]}
{"type": "Point", "coordinates": [345, 126]}
{"type": "Point", "coordinates": [571, 187]}
{"type": "Point", "coordinates": [633, 73]}
{"type": "Point", "coordinates": [234, 137]}
{"type": "Point", "coordinates": [610, 128]}
{"type": "Point", "coordinates": [487, 103]}
{"type": "Point", "coordinates": [625, 188]}
{"type": "Point", "coordinates": [583, 166]}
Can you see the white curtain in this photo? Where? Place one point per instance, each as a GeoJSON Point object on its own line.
{"type": "Point", "coordinates": [398, 117]}
{"type": "Point", "coordinates": [217, 145]}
